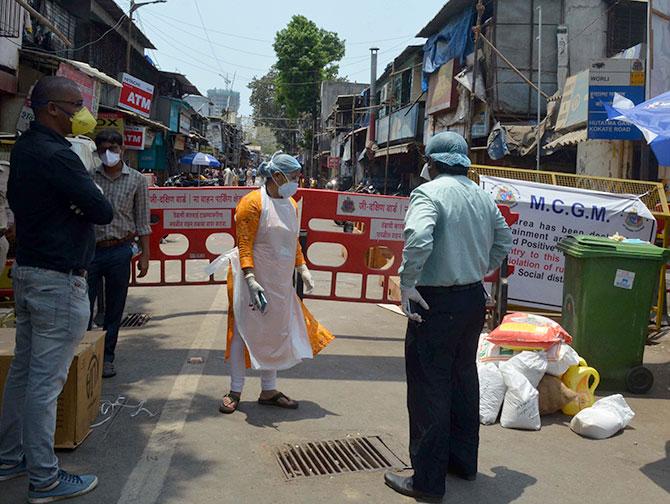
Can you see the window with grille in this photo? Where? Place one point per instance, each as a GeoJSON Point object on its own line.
{"type": "Point", "coordinates": [10, 19]}
{"type": "Point", "coordinates": [61, 19]}
{"type": "Point", "coordinates": [626, 27]}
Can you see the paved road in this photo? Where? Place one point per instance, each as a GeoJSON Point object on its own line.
{"type": "Point", "coordinates": [188, 453]}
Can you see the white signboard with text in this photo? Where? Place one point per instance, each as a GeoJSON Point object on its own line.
{"type": "Point", "coordinates": [197, 219]}
{"type": "Point", "coordinates": [548, 213]}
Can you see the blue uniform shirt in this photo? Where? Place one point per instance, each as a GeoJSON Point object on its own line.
{"type": "Point", "coordinates": [454, 234]}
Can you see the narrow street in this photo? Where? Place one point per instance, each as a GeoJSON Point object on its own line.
{"type": "Point", "coordinates": [190, 453]}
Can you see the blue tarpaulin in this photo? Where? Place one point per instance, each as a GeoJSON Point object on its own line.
{"type": "Point", "coordinates": [454, 41]}
{"type": "Point", "coordinates": [652, 118]}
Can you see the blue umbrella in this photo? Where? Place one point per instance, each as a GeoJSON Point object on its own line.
{"type": "Point", "coordinates": [652, 118]}
{"type": "Point", "coordinates": [200, 159]}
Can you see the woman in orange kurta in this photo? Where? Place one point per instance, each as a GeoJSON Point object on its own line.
{"type": "Point", "coordinates": [268, 326]}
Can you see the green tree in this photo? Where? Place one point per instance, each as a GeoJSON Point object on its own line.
{"type": "Point", "coordinates": [306, 55]}
{"type": "Point", "coordinates": [267, 111]}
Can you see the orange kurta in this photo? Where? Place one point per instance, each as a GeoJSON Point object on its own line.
{"type": "Point", "coordinates": [247, 220]}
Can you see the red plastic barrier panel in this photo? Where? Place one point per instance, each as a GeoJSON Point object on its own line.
{"type": "Point", "coordinates": [189, 228]}
{"type": "Point", "coordinates": [353, 243]}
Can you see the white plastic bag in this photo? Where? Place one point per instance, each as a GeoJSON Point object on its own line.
{"type": "Point", "coordinates": [532, 365]}
{"type": "Point", "coordinates": [605, 418]}
{"type": "Point", "coordinates": [521, 409]}
{"type": "Point", "coordinates": [491, 392]}
{"type": "Point", "coordinates": [566, 357]}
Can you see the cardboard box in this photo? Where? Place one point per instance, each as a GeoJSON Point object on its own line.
{"type": "Point", "coordinates": [79, 403]}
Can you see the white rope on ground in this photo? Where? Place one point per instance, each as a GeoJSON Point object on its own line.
{"type": "Point", "coordinates": [108, 408]}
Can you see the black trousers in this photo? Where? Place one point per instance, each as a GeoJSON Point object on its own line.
{"type": "Point", "coordinates": [113, 265]}
{"type": "Point", "coordinates": [442, 385]}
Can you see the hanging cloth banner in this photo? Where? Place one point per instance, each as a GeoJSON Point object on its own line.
{"type": "Point", "coordinates": [547, 213]}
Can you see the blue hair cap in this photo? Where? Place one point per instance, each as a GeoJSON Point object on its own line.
{"type": "Point", "coordinates": [279, 162]}
{"type": "Point", "coordinates": [449, 148]}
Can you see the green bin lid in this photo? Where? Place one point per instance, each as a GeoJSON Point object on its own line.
{"type": "Point", "coordinates": [585, 246]}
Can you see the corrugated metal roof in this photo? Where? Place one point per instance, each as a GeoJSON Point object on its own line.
{"type": "Point", "coordinates": [79, 65]}
{"type": "Point", "coordinates": [450, 8]}
{"type": "Point", "coordinates": [572, 138]}
{"type": "Point", "coordinates": [394, 149]}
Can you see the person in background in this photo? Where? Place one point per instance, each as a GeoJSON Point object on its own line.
{"type": "Point", "coordinates": [128, 191]}
{"type": "Point", "coordinates": [228, 176]}
{"type": "Point", "coordinates": [55, 204]}
{"type": "Point", "coordinates": [268, 327]}
{"type": "Point", "coordinates": [250, 176]}
{"type": "Point", "coordinates": [454, 236]}
{"type": "Point", "coordinates": [4, 224]}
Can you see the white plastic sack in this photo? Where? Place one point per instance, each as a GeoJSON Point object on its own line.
{"type": "Point", "coordinates": [532, 365]}
{"type": "Point", "coordinates": [605, 418]}
{"type": "Point", "coordinates": [566, 357]}
{"type": "Point", "coordinates": [491, 392]}
{"type": "Point", "coordinates": [521, 409]}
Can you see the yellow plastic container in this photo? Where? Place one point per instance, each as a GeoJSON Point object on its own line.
{"type": "Point", "coordinates": [583, 380]}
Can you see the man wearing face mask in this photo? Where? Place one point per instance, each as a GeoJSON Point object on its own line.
{"type": "Point", "coordinates": [454, 236]}
{"type": "Point", "coordinates": [269, 329]}
{"type": "Point", "coordinates": [128, 191]}
{"type": "Point", "coordinates": [55, 205]}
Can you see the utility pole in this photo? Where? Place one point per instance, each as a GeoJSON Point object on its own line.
{"type": "Point", "coordinates": [373, 93]}
{"type": "Point", "coordinates": [475, 72]}
{"type": "Point", "coordinates": [539, 87]}
{"type": "Point", "coordinates": [133, 7]}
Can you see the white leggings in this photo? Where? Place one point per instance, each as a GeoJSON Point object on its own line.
{"type": "Point", "coordinates": [238, 368]}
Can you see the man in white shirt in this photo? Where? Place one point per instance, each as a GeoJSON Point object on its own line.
{"type": "Point", "coordinates": [228, 176]}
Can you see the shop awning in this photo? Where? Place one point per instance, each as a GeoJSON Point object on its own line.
{"type": "Point", "coordinates": [572, 138]}
{"type": "Point", "coordinates": [394, 150]}
{"type": "Point", "coordinates": [136, 117]}
{"type": "Point", "coordinates": [82, 67]}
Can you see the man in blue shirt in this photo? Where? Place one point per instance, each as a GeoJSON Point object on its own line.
{"type": "Point", "coordinates": [55, 205]}
{"type": "Point", "coordinates": [454, 236]}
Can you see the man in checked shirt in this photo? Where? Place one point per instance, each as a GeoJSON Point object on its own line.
{"type": "Point", "coordinates": [127, 190]}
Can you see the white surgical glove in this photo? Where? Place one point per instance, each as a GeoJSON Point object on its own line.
{"type": "Point", "coordinates": [407, 295]}
{"type": "Point", "coordinates": [307, 279]}
{"type": "Point", "coordinates": [255, 290]}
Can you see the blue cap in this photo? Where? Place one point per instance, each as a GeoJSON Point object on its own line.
{"type": "Point", "coordinates": [279, 162]}
{"type": "Point", "coordinates": [449, 148]}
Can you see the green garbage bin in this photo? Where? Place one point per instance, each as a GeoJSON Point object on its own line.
{"type": "Point", "coordinates": [608, 292]}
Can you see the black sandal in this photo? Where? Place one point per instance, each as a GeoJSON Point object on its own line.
{"type": "Point", "coordinates": [227, 410]}
{"type": "Point", "coordinates": [274, 401]}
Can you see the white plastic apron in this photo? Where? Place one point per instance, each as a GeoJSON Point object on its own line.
{"type": "Point", "coordinates": [276, 339]}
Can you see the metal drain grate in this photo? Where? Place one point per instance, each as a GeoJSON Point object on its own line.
{"type": "Point", "coordinates": [320, 458]}
{"type": "Point", "coordinates": [135, 320]}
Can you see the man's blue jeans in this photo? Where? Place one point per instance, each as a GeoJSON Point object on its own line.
{"type": "Point", "coordinates": [112, 264]}
{"type": "Point", "coordinates": [52, 311]}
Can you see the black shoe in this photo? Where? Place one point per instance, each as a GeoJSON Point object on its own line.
{"type": "Point", "coordinates": [461, 474]}
{"type": "Point", "coordinates": [108, 370]}
{"type": "Point", "coordinates": [403, 485]}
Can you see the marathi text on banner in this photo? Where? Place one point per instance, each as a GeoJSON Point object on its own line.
{"type": "Point", "coordinates": [548, 213]}
{"type": "Point", "coordinates": [202, 197]}
{"type": "Point", "coordinates": [387, 230]}
{"type": "Point", "coordinates": [197, 219]}
{"type": "Point", "coordinates": [357, 205]}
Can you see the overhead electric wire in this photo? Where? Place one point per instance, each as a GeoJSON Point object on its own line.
{"type": "Point", "coordinates": [209, 41]}
{"type": "Point", "coordinates": [212, 30]}
{"type": "Point", "coordinates": [263, 55]}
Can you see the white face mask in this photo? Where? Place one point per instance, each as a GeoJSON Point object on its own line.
{"type": "Point", "coordinates": [110, 158]}
{"type": "Point", "coordinates": [425, 172]}
{"type": "Point", "coordinates": [288, 188]}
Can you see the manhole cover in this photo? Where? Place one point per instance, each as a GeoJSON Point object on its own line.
{"type": "Point", "coordinates": [135, 320]}
{"type": "Point", "coordinates": [320, 458]}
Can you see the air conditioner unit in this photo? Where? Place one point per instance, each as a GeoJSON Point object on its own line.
{"type": "Point", "coordinates": [384, 93]}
